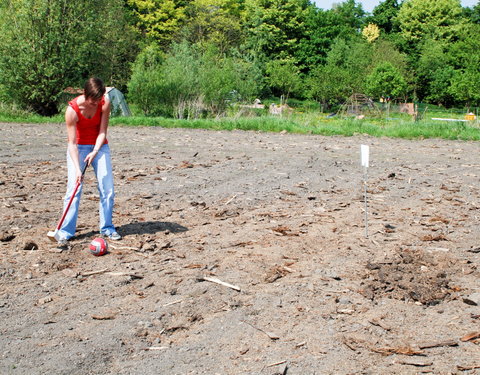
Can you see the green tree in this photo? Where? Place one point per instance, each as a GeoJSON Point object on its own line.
{"type": "Point", "coordinates": [47, 45]}
{"type": "Point", "coordinates": [473, 13]}
{"type": "Point", "coordinates": [215, 22]}
{"type": "Point", "coordinates": [464, 57]}
{"type": "Point", "coordinates": [323, 28]}
{"type": "Point", "coordinates": [466, 50]}
{"type": "Point", "coordinates": [385, 81]}
{"type": "Point", "coordinates": [350, 14]}
{"type": "Point", "coordinates": [274, 28]}
{"type": "Point", "coordinates": [435, 19]}
{"type": "Point", "coordinates": [157, 20]}
{"type": "Point", "coordinates": [354, 57]}
{"type": "Point", "coordinates": [383, 50]}
{"type": "Point", "coordinates": [117, 47]}
{"type": "Point", "coordinates": [283, 76]}
{"type": "Point", "coordinates": [347, 65]}
{"type": "Point", "coordinates": [329, 85]}
{"type": "Point", "coordinates": [440, 88]}
{"type": "Point", "coordinates": [384, 15]}
{"type": "Point", "coordinates": [433, 72]}
{"type": "Point", "coordinates": [465, 86]}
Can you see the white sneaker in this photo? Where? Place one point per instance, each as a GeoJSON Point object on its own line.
{"type": "Point", "coordinates": [115, 236]}
{"type": "Point", "coordinates": [62, 244]}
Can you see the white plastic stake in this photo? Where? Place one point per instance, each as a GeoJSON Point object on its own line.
{"type": "Point", "coordinates": [365, 151]}
{"type": "Point", "coordinates": [365, 159]}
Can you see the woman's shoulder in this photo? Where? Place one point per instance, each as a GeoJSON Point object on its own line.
{"type": "Point", "coordinates": [80, 99]}
{"type": "Point", "coordinates": [76, 102]}
{"type": "Point", "coordinates": [105, 102]}
{"type": "Point", "coordinates": [71, 115]}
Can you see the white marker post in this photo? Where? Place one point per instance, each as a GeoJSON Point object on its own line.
{"type": "Point", "coordinates": [365, 156]}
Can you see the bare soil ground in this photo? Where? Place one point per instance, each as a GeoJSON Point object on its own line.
{"type": "Point", "coordinates": [278, 216]}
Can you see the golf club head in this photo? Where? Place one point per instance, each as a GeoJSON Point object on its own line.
{"type": "Point", "coordinates": [54, 236]}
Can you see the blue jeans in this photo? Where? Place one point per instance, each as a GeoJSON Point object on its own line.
{"type": "Point", "coordinates": [102, 166]}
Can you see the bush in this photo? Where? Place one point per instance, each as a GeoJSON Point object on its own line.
{"type": "Point", "coordinates": [189, 82]}
{"type": "Point", "coordinates": [386, 81]}
{"type": "Point", "coordinates": [146, 81]}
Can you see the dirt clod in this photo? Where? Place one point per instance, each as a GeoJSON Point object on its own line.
{"type": "Point", "coordinates": [413, 275]}
{"type": "Point", "coordinates": [30, 245]}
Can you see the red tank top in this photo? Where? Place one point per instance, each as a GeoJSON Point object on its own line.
{"type": "Point", "coordinates": [87, 128]}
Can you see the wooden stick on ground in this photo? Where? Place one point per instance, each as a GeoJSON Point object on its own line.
{"type": "Point", "coordinates": [467, 368]}
{"type": "Point", "coordinates": [438, 344]}
{"type": "Point", "coordinates": [94, 272]}
{"type": "Point", "coordinates": [231, 199]}
{"type": "Point", "coordinates": [156, 348]}
{"type": "Point", "coordinates": [277, 363]}
{"type": "Point", "coordinates": [173, 303]}
{"type": "Point", "coordinates": [123, 247]}
{"type": "Point", "coordinates": [270, 335]}
{"type": "Point", "coordinates": [218, 281]}
{"type": "Point", "coordinates": [470, 336]}
{"type": "Point", "coordinates": [414, 363]}
{"type": "Point", "coordinates": [132, 275]}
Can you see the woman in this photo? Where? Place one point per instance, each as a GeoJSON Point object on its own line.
{"type": "Point", "coordinates": [87, 121]}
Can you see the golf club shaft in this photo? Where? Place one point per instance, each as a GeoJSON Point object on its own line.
{"type": "Point", "coordinates": [71, 198]}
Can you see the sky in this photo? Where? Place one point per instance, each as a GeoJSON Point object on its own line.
{"type": "Point", "coordinates": [368, 5]}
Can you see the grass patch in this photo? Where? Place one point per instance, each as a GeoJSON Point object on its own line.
{"type": "Point", "coordinates": [318, 124]}
{"type": "Point", "coordinates": [15, 115]}
{"type": "Point", "coordinates": [266, 124]}
{"type": "Point", "coordinates": [311, 122]}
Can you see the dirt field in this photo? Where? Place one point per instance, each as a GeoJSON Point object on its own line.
{"type": "Point", "coordinates": [279, 217]}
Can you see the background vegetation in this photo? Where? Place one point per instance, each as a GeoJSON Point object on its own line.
{"type": "Point", "coordinates": [191, 59]}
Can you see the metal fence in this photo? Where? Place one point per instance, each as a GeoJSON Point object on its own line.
{"type": "Point", "coordinates": [424, 111]}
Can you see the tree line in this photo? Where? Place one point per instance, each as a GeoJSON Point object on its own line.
{"type": "Point", "coordinates": [187, 58]}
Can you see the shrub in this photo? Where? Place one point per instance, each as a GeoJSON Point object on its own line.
{"type": "Point", "coordinates": [146, 81]}
{"type": "Point", "coordinates": [189, 82]}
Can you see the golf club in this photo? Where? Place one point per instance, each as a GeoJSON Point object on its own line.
{"type": "Point", "coordinates": [54, 235]}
